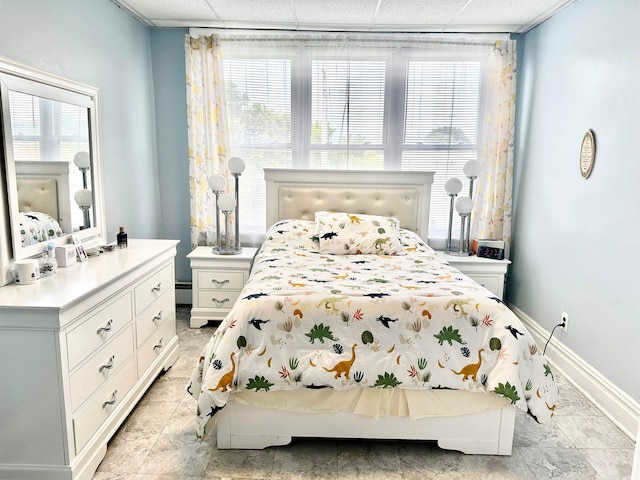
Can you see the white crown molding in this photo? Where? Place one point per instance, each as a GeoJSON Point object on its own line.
{"type": "Point", "coordinates": [614, 403]}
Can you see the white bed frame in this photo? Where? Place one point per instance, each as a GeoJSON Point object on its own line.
{"type": "Point", "coordinates": [406, 196]}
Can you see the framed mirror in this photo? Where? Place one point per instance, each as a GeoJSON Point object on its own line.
{"type": "Point", "coordinates": [51, 171]}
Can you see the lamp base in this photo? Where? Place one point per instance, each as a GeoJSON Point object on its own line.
{"type": "Point", "coordinates": [219, 251]}
{"type": "Point", "coordinates": [458, 253]}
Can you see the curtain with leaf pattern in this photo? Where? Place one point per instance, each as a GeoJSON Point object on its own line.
{"type": "Point", "coordinates": [491, 216]}
{"type": "Point", "coordinates": [208, 132]}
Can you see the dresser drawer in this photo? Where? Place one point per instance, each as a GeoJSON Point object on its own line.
{"type": "Point", "coordinates": [101, 366]}
{"type": "Point", "coordinates": [221, 279]}
{"type": "Point", "coordinates": [222, 300]}
{"type": "Point", "coordinates": [154, 346]}
{"type": "Point", "coordinates": [103, 403]}
{"type": "Point", "coordinates": [153, 316]}
{"type": "Point", "coordinates": [153, 287]}
{"type": "Point", "coordinates": [98, 329]}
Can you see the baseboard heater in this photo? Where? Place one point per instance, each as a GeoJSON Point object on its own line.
{"type": "Point", "coordinates": [183, 293]}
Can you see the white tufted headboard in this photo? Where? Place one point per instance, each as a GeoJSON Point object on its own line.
{"type": "Point", "coordinates": [299, 193]}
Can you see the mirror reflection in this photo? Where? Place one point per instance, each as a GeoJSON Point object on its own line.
{"type": "Point", "coordinates": [50, 144]}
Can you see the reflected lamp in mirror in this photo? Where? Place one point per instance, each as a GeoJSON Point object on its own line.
{"type": "Point", "coordinates": [236, 167]}
{"type": "Point", "coordinates": [84, 199]}
{"type": "Point", "coordinates": [227, 204]}
{"type": "Point", "coordinates": [217, 184]}
{"type": "Point", "coordinates": [82, 160]}
{"type": "Point", "coordinates": [452, 187]}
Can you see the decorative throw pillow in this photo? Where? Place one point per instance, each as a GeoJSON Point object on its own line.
{"type": "Point", "coordinates": [342, 233]}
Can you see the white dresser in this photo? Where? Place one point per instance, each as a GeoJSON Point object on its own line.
{"type": "Point", "coordinates": [216, 282]}
{"type": "Point", "coordinates": [77, 352]}
{"type": "Point", "coordinates": [487, 272]}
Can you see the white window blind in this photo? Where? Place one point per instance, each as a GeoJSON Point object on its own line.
{"type": "Point", "coordinates": [307, 105]}
{"type": "Point", "coordinates": [44, 129]}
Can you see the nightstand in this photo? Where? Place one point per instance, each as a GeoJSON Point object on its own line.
{"type": "Point", "coordinates": [216, 282]}
{"type": "Point", "coordinates": [487, 272]}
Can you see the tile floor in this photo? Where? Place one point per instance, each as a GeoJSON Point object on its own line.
{"type": "Point", "coordinates": [157, 442]}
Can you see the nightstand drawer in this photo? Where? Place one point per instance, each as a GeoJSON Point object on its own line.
{"type": "Point", "coordinates": [153, 287]}
{"type": "Point", "coordinates": [490, 282]}
{"type": "Point", "coordinates": [99, 329]}
{"type": "Point", "coordinates": [221, 279]}
{"type": "Point", "coordinates": [103, 403]}
{"type": "Point", "coordinates": [100, 367]}
{"type": "Point", "coordinates": [153, 316]}
{"type": "Point", "coordinates": [217, 300]}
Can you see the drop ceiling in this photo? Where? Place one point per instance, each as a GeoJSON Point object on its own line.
{"type": "Point", "coordinates": [445, 16]}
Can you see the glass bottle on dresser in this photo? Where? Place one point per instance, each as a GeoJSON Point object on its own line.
{"type": "Point", "coordinates": [122, 238]}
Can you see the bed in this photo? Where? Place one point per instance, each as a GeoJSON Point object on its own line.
{"type": "Point", "coordinates": [43, 200]}
{"type": "Point", "coordinates": [334, 336]}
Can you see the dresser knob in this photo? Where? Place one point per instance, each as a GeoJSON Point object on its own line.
{"type": "Point", "coordinates": [112, 401]}
{"type": "Point", "coordinates": [158, 345]}
{"type": "Point", "coordinates": [219, 283]}
{"type": "Point", "coordinates": [157, 288]}
{"type": "Point", "coordinates": [108, 365]}
{"type": "Point", "coordinates": [106, 328]}
{"type": "Point", "coordinates": [158, 317]}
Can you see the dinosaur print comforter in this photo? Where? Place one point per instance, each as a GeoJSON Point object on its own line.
{"type": "Point", "coordinates": [306, 320]}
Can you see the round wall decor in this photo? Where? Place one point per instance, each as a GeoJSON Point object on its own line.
{"type": "Point", "coordinates": [587, 153]}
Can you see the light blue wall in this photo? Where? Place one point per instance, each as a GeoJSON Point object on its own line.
{"type": "Point", "coordinates": [96, 43]}
{"type": "Point", "coordinates": [168, 58]}
{"type": "Point", "coordinates": [575, 241]}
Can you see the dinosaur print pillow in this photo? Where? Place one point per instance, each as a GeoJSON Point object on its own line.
{"type": "Point", "coordinates": [342, 233]}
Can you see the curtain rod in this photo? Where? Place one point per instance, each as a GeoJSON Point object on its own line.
{"type": "Point", "coordinates": [231, 34]}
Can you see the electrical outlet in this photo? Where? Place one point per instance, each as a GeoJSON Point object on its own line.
{"type": "Point", "coordinates": [565, 321]}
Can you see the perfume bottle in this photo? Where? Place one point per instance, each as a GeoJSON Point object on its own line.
{"type": "Point", "coordinates": [122, 238]}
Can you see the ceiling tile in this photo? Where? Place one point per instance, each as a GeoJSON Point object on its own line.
{"type": "Point", "coordinates": [333, 13]}
{"type": "Point", "coordinates": [418, 12]}
{"type": "Point", "coordinates": [278, 11]}
{"type": "Point", "coordinates": [170, 9]}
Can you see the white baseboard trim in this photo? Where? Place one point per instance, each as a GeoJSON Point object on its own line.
{"type": "Point", "coordinates": [615, 404]}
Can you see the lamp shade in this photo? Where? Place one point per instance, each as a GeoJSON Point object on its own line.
{"type": "Point", "coordinates": [83, 198]}
{"type": "Point", "coordinates": [453, 186]}
{"type": "Point", "coordinates": [217, 183]}
{"type": "Point", "coordinates": [82, 160]}
{"type": "Point", "coordinates": [227, 202]}
{"type": "Point", "coordinates": [464, 205]}
{"type": "Point", "coordinates": [472, 168]}
{"type": "Point", "coordinates": [236, 165]}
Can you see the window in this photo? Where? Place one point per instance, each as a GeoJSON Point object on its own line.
{"type": "Point", "coordinates": [307, 104]}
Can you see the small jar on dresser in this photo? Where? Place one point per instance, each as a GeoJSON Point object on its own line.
{"type": "Point", "coordinates": [216, 282]}
{"type": "Point", "coordinates": [78, 350]}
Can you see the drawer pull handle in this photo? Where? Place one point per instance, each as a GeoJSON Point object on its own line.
{"type": "Point", "coordinates": [157, 288]}
{"type": "Point", "coordinates": [108, 365]}
{"type": "Point", "coordinates": [158, 345]}
{"type": "Point", "coordinates": [107, 328]}
{"type": "Point", "coordinates": [219, 283]}
{"type": "Point", "coordinates": [158, 317]}
{"type": "Point", "coordinates": [219, 303]}
{"type": "Point", "coordinates": [112, 401]}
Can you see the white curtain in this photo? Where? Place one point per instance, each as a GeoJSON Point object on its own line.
{"type": "Point", "coordinates": [491, 217]}
{"type": "Point", "coordinates": [208, 132]}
